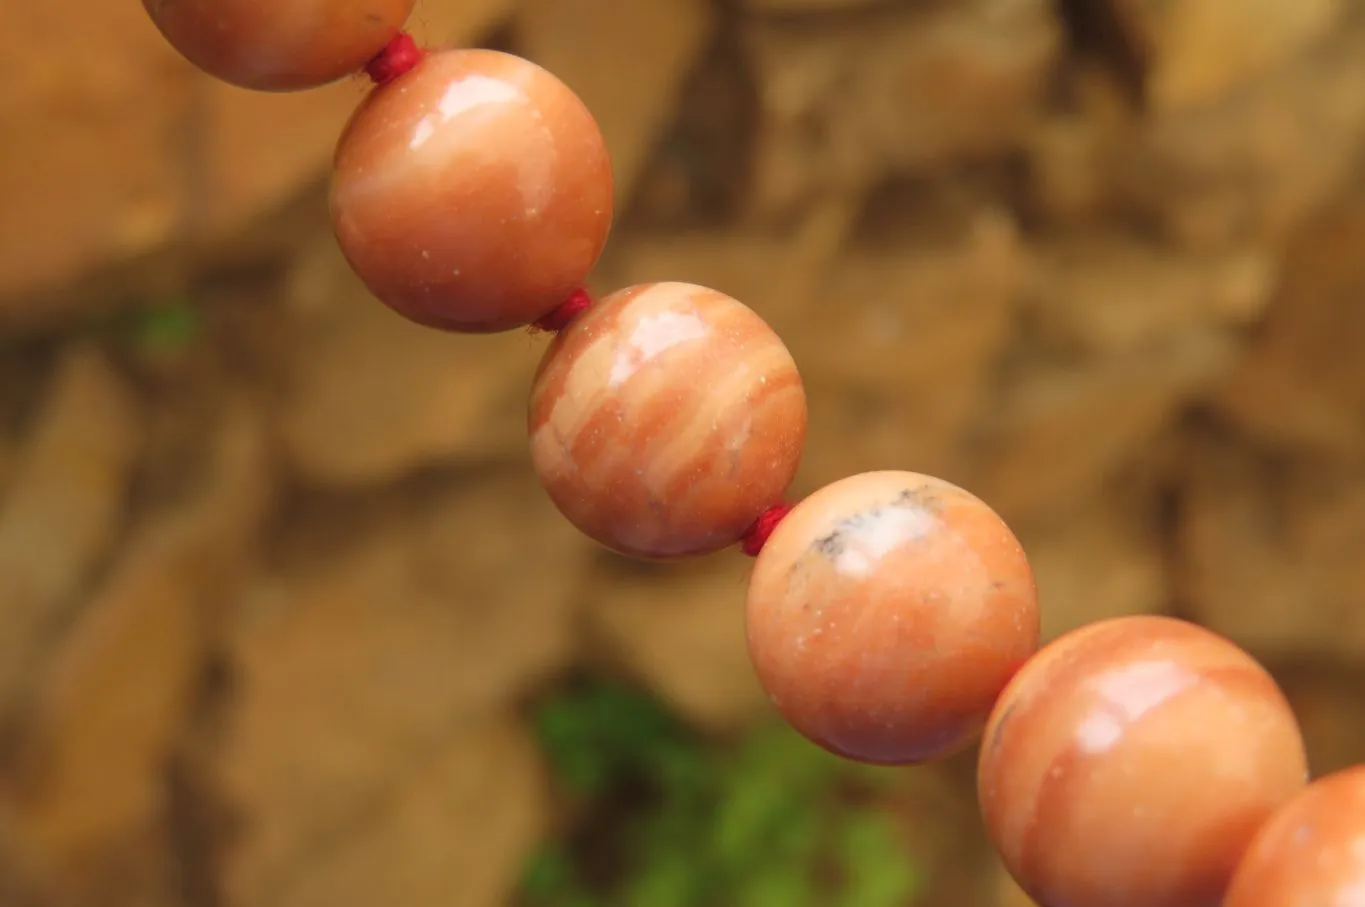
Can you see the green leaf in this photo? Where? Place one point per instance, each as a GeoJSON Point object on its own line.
{"type": "Point", "coordinates": [581, 899]}
{"type": "Point", "coordinates": [747, 819]}
{"type": "Point", "coordinates": [551, 880]}
{"type": "Point", "coordinates": [798, 837]}
{"type": "Point", "coordinates": [683, 773]}
{"type": "Point", "coordinates": [670, 879]}
{"type": "Point", "coordinates": [165, 328]}
{"type": "Point", "coordinates": [777, 751]}
{"type": "Point", "coordinates": [742, 826]}
{"type": "Point", "coordinates": [877, 870]}
{"type": "Point", "coordinates": [776, 885]}
{"type": "Point", "coordinates": [568, 740]}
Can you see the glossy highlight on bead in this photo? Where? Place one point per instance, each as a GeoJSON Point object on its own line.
{"type": "Point", "coordinates": [665, 419]}
{"type": "Point", "coordinates": [473, 193]}
{"type": "Point", "coordinates": [885, 614]}
{"type": "Point", "coordinates": [1130, 763]}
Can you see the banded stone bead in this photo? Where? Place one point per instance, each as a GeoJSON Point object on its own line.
{"type": "Point", "coordinates": [1312, 853]}
{"type": "Point", "coordinates": [665, 419]}
{"type": "Point", "coordinates": [886, 613]}
{"type": "Point", "coordinates": [1130, 763]}
{"type": "Point", "coordinates": [280, 45]}
{"type": "Point", "coordinates": [473, 193]}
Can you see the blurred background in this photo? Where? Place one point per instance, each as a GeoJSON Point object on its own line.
{"type": "Point", "coordinates": [285, 620]}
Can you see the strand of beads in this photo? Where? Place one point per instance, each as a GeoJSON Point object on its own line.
{"type": "Point", "coordinates": [892, 617]}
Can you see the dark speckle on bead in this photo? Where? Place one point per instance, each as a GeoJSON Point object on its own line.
{"type": "Point", "coordinates": [832, 545]}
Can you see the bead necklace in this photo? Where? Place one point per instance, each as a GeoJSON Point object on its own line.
{"type": "Point", "coordinates": [892, 617]}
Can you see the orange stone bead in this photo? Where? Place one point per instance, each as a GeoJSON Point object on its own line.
{"type": "Point", "coordinates": [279, 45]}
{"type": "Point", "coordinates": [1312, 853]}
{"type": "Point", "coordinates": [1130, 763]}
{"type": "Point", "coordinates": [473, 193]}
{"type": "Point", "coordinates": [886, 613]}
{"type": "Point", "coordinates": [665, 419]}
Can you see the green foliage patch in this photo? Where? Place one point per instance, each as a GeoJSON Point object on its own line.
{"type": "Point", "coordinates": [671, 820]}
{"type": "Point", "coordinates": [168, 327]}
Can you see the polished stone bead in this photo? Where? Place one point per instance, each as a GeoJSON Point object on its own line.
{"type": "Point", "coordinates": [1130, 763]}
{"type": "Point", "coordinates": [665, 419]}
{"type": "Point", "coordinates": [279, 45]}
{"type": "Point", "coordinates": [887, 612]}
{"type": "Point", "coordinates": [1311, 852]}
{"type": "Point", "coordinates": [472, 193]}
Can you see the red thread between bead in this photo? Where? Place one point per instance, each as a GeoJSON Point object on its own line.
{"type": "Point", "coordinates": [399, 56]}
{"type": "Point", "coordinates": [756, 536]}
{"type": "Point", "coordinates": [578, 302]}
